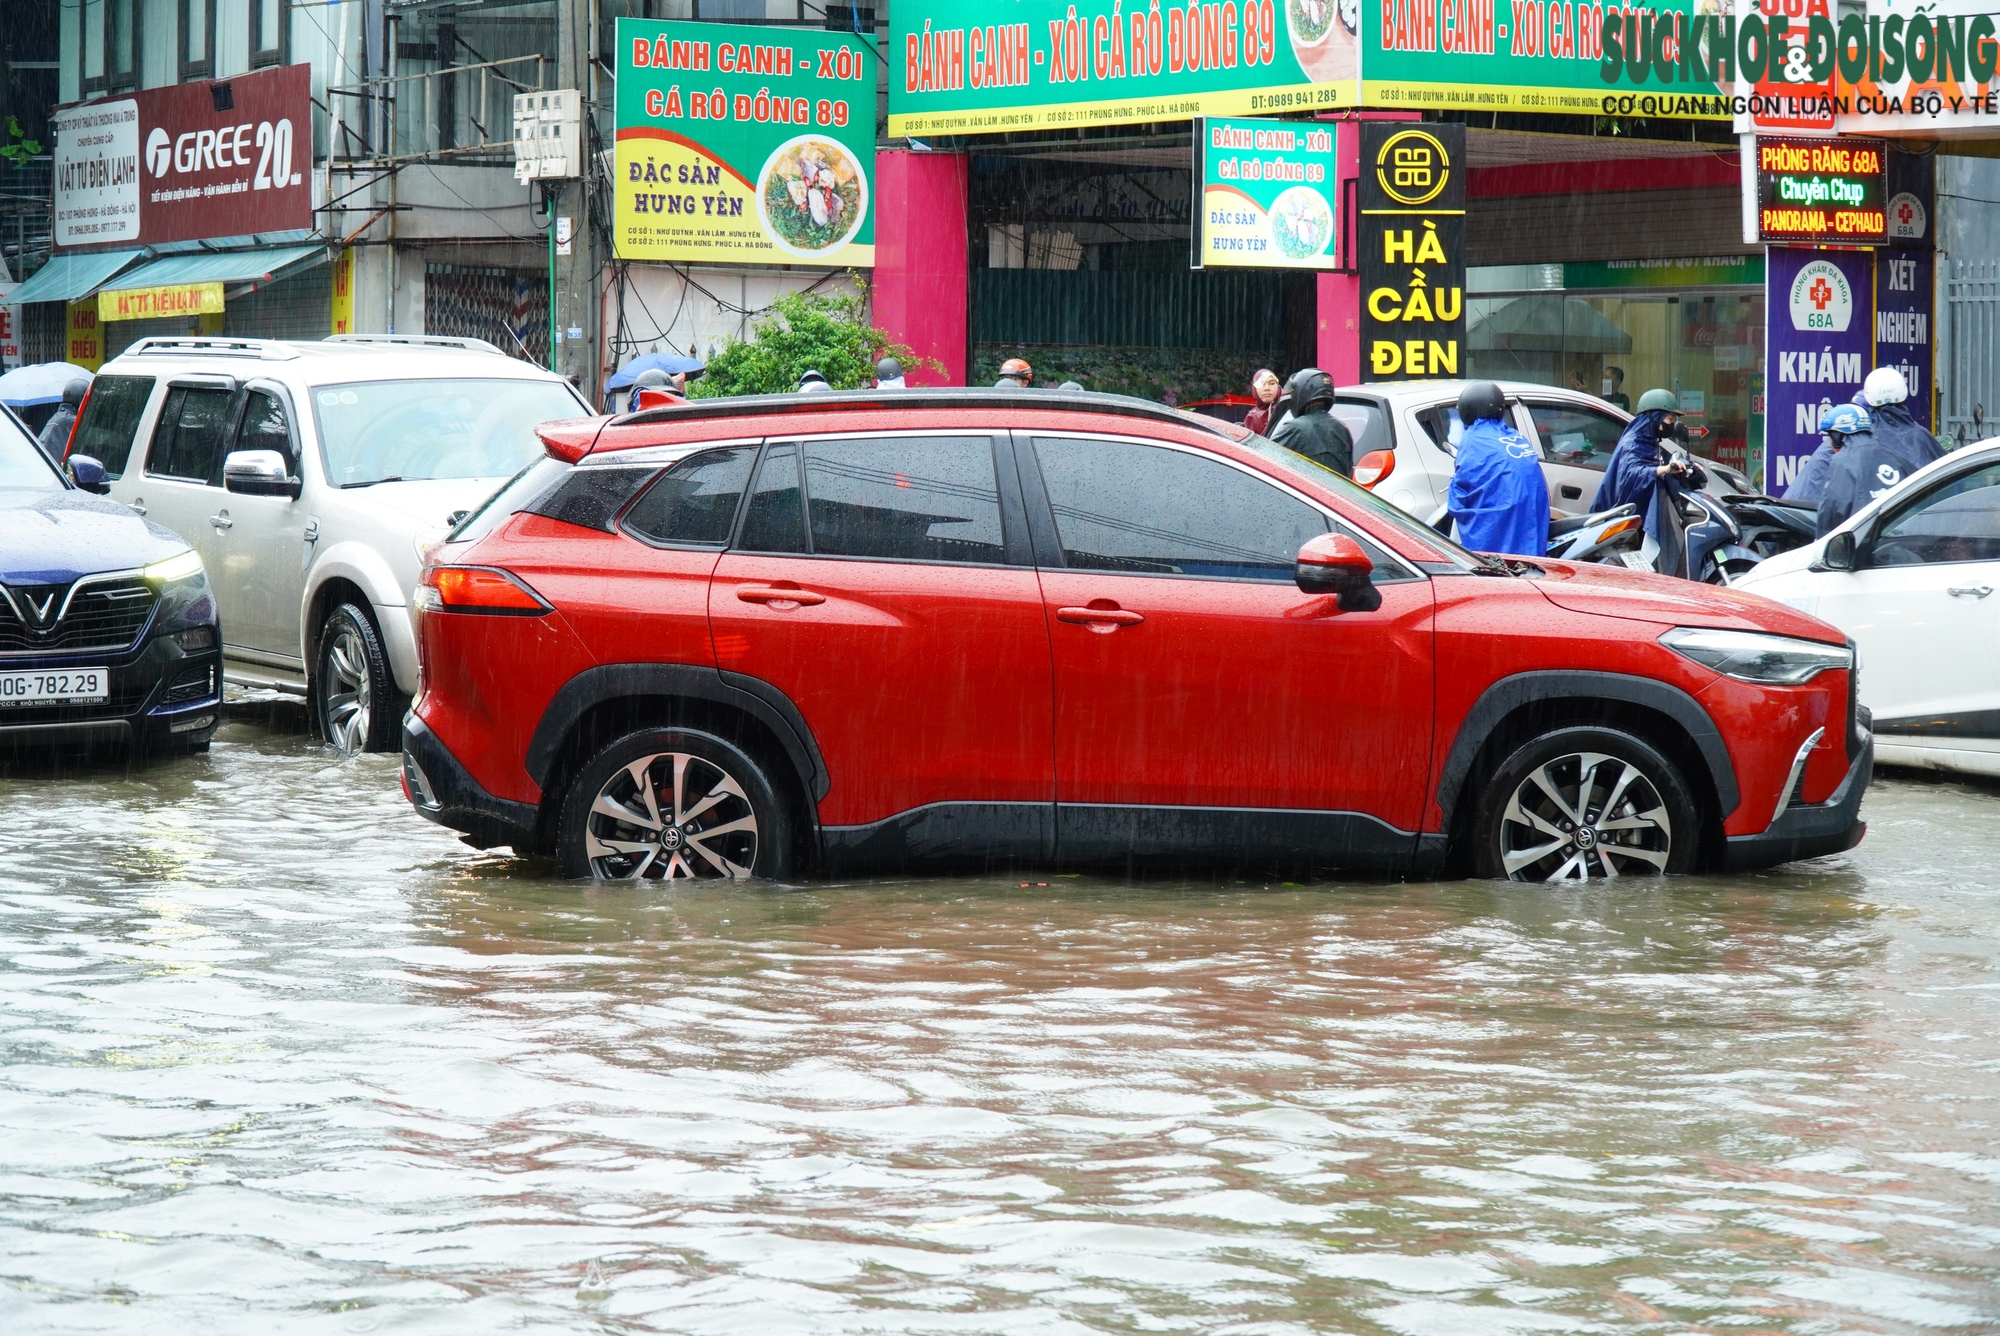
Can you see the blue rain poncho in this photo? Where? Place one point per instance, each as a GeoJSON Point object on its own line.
{"type": "Point", "coordinates": [1632, 473]}
{"type": "Point", "coordinates": [1499, 500]}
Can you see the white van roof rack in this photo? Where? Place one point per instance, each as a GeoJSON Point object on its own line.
{"type": "Point", "coordinates": [270, 350]}
{"type": "Point", "coordinates": [420, 341]}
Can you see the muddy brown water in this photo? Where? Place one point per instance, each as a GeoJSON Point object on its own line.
{"type": "Point", "coordinates": [281, 1057]}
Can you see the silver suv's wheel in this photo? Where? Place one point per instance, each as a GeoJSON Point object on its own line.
{"type": "Point", "coordinates": [669, 804]}
{"type": "Point", "coordinates": [1585, 802]}
{"type": "Point", "coordinates": [357, 704]}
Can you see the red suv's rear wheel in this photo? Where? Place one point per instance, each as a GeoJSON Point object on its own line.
{"type": "Point", "coordinates": [671, 803]}
{"type": "Point", "coordinates": [1583, 802]}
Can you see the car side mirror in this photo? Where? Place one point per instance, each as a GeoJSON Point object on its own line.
{"type": "Point", "coordinates": [88, 474]}
{"type": "Point", "coordinates": [259, 473]}
{"type": "Point", "coordinates": [1838, 554]}
{"type": "Point", "coordinates": [1334, 564]}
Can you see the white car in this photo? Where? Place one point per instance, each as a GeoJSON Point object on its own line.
{"type": "Point", "coordinates": [1913, 578]}
{"type": "Point", "coordinates": [311, 477]}
{"type": "Point", "coordinates": [1403, 446]}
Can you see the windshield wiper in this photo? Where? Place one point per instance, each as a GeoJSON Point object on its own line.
{"type": "Point", "coordinates": [372, 481]}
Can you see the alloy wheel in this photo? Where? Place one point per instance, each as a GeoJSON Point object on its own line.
{"type": "Point", "coordinates": [669, 816]}
{"type": "Point", "coordinates": [1580, 810]}
{"type": "Point", "coordinates": [348, 693]}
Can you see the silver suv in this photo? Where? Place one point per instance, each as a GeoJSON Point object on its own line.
{"type": "Point", "coordinates": [312, 477]}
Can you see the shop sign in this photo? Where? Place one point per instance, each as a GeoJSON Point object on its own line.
{"type": "Point", "coordinates": [187, 162]}
{"type": "Point", "coordinates": [744, 144]}
{"type": "Point", "coordinates": [1904, 306]}
{"type": "Point", "coordinates": [172, 299]}
{"type": "Point", "coordinates": [1411, 250]}
{"type": "Point", "coordinates": [1831, 192]}
{"type": "Point", "coordinates": [84, 336]}
{"type": "Point", "coordinates": [983, 66]}
{"type": "Point", "coordinates": [10, 329]}
{"type": "Point", "coordinates": [1269, 196]}
{"type": "Point", "coordinates": [1821, 345]}
{"type": "Point", "coordinates": [1924, 73]}
{"type": "Point", "coordinates": [1706, 271]}
{"type": "Point", "coordinates": [343, 292]}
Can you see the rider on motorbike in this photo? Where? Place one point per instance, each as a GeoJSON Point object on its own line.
{"type": "Point", "coordinates": [1499, 500]}
{"type": "Point", "coordinates": [1864, 466]}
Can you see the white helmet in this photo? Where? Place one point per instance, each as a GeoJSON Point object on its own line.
{"type": "Point", "coordinates": [1885, 385]}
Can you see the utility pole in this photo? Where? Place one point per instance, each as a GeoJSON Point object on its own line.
{"type": "Point", "coordinates": [574, 300]}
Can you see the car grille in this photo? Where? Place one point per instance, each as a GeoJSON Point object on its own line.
{"type": "Point", "coordinates": [102, 616]}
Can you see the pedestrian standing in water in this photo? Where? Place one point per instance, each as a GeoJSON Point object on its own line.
{"type": "Point", "coordinates": [1264, 389]}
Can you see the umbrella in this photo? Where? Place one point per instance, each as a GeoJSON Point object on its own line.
{"type": "Point", "coordinates": [30, 386]}
{"type": "Point", "coordinates": [674, 364]}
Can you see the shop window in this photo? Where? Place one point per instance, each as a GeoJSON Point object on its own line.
{"type": "Point", "coordinates": [197, 39]}
{"type": "Point", "coordinates": [110, 46]}
{"type": "Point", "coordinates": [270, 33]}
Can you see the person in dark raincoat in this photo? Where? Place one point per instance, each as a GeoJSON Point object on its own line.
{"type": "Point", "coordinates": [1312, 430]}
{"type": "Point", "coordinates": [55, 432]}
{"type": "Point", "coordinates": [1810, 483]}
{"type": "Point", "coordinates": [1642, 472]}
{"type": "Point", "coordinates": [1886, 394]}
{"type": "Point", "coordinates": [1498, 498]}
{"type": "Point", "coordinates": [1863, 469]}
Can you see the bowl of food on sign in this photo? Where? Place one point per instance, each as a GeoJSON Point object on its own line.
{"type": "Point", "coordinates": [812, 195]}
{"type": "Point", "coordinates": [1301, 223]}
{"type": "Point", "coordinates": [1322, 38]}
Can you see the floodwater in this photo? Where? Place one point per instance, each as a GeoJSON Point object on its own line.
{"type": "Point", "coordinates": [281, 1057]}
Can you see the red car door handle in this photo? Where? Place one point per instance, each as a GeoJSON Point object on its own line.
{"type": "Point", "coordinates": [791, 598]}
{"type": "Point", "coordinates": [1099, 618]}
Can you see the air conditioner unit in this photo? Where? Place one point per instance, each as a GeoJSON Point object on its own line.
{"type": "Point", "coordinates": [548, 135]}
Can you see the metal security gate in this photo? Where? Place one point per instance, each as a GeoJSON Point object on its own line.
{"type": "Point", "coordinates": [509, 308]}
{"type": "Point", "coordinates": [1971, 389]}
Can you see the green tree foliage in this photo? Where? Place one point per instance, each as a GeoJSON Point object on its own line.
{"type": "Point", "coordinates": [805, 331]}
{"type": "Point", "coordinates": [15, 146]}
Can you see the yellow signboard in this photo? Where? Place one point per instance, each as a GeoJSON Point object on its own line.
{"type": "Point", "coordinates": [153, 303]}
{"type": "Point", "coordinates": [85, 336]}
{"type": "Point", "coordinates": [343, 292]}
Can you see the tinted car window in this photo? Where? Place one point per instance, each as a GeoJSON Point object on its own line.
{"type": "Point", "coordinates": [266, 427]}
{"type": "Point", "coordinates": [906, 498]}
{"type": "Point", "coordinates": [1960, 521]}
{"type": "Point", "coordinates": [111, 419]}
{"type": "Point", "coordinates": [776, 521]}
{"type": "Point", "coordinates": [695, 502]}
{"type": "Point", "coordinates": [1440, 423]}
{"type": "Point", "coordinates": [188, 442]}
{"type": "Point", "coordinates": [1367, 423]}
{"type": "Point", "coordinates": [521, 491]}
{"type": "Point", "coordinates": [1147, 510]}
{"type": "Point", "coordinates": [1574, 435]}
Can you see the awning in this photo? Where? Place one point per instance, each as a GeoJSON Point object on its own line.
{"type": "Point", "coordinates": [252, 266]}
{"type": "Point", "coordinates": [66, 277]}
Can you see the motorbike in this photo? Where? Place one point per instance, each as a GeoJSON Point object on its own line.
{"type": "Point", "coordinates": [1769, 526]}
{"type": "Point", "coordinates": [1602, 537]}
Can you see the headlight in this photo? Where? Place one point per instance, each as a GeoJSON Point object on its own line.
{"type": "Point", "coordinates": [427, 540]}
{"type": "Point", "coordinates": [181, 566]}
{"type": "Point", "coordinates": [1749, 656]}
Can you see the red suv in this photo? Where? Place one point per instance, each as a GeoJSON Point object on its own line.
{"type": "Point", "coordinates": [772, 636]}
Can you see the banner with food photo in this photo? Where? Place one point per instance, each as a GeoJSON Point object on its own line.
{"type": "Point", "coordinates": [744, 144]}
{"type": "Point", "coordinates": [1268, 196]}
{"type": "Point", "coordinates": [983, 66]}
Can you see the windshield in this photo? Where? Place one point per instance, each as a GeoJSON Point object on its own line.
{"type": "Point", "coordinates": [392, 430]}
{"type": "Point", "coordinates": [22, 463]}
{"type": "Point", "coordinates": [1402, 521]}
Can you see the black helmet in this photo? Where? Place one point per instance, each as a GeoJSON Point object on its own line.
{"type": "Point", "coordinates": [652, 378]}
{"type": "Point", "coordinates": [1311, 388]}
{"type": "Point", "coordinates": [74, 391]}
{"type": "Point", "coordinates": [1479, 400]}
{"type": "Point", "coordinates": [888, 369]}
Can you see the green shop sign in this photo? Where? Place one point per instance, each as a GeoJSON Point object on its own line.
{"type": "Point", "coordinates": [1710, 271]}
{"type": "Point", "coordinates": [746, 145]}
{"type": "Point", "coordinates": [1267, 195]}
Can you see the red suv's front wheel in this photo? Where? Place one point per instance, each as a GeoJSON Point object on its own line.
{"type": "Point", "coordinates": [1582, 802]}
{"type": "Point", "coordinates": [668, 803]}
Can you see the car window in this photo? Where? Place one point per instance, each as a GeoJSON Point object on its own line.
{"type": "Point", "coordinates": [1440, 423]}
{"type": "Point", "coordinates": [1575, 435]}
{"type": "Point", "coordinates": [111, 419]}
{"type": "Point", "coordinates": [22, 463]}
{"type": "Point", "coordinates": [1148, 510]}
{"type": "Point", "coordinates": [695, 501]}
{"type": "Point", "coordinates": [776, 518]}
{"type": "Point", "coordinates": [912, 498]}
{"type": "Point", "coordinates": [188, 442]}
{"type": "Point", "coordinates": [266, 427]}
{"type": "Point", "coordinates": [1959, 521]}
{"type": "Point", "coordinates": [396, 430]}
{"type": "Point", "coordinates": [1367, 422]}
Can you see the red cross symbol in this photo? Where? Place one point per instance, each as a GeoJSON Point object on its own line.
{"type": "Point", "coordinates": [1820, 293]}
{"type": "Point", "coordinates": [1903, 214]}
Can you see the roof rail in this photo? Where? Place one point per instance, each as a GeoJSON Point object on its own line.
{"type": "Point", "coordinates": [1066, 401]}
{"type": "Point", "coordinates": [419, 341]}
{"type": "Point", "coordinates": [270, 350]}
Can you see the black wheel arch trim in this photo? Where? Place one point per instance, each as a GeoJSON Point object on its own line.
{"type": "Point", "coordinates": [1511, 693]}
{"type": "Point", "coordinates": [753, 696]}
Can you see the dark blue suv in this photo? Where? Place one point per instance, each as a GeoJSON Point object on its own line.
{"type": "Point", "coordinates": [107, 625]}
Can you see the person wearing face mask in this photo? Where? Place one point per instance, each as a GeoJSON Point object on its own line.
{"type": "Point", "coordinates": [1613, 388]}
{"type": "Point", "coordinates": [1648, 472]}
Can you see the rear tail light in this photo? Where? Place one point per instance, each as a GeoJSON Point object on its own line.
{"type": "Point", "coordinates": [1622, 526]}
{"type": "Point", "coordinates": [484, 589]}
{"type": "Point", "coordinates": [1374, 466]}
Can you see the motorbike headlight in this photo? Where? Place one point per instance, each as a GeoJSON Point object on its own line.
{"type": "Point", "coordinates": [1751, 656]}
{"type": "Point", "coordinates": [181, 566]}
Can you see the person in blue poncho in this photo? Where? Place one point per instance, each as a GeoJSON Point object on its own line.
{"type": "Point", "coordinates": [1498, 499]}
{"type": "Point", "coordinates": [1642, 469]}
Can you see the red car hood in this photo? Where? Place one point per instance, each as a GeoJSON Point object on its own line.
{"type": "Point", "coordinates": [1640, 596]}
